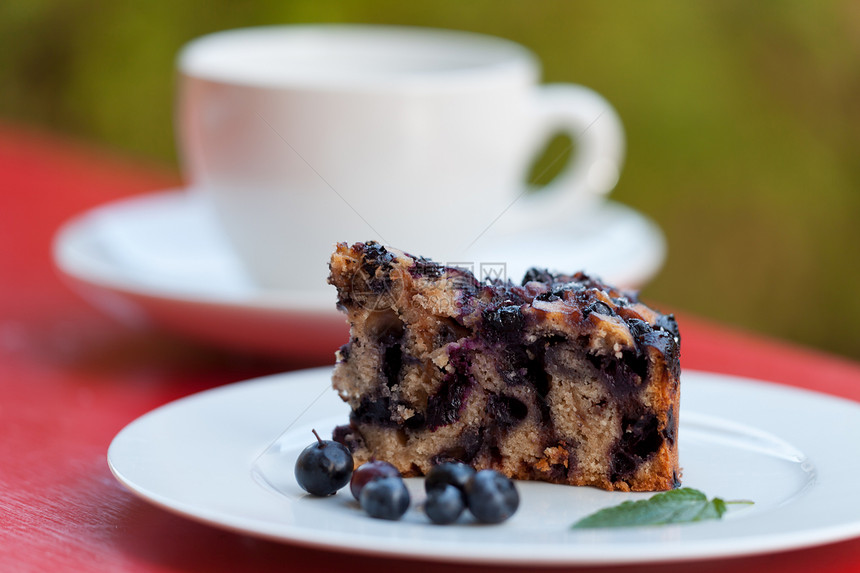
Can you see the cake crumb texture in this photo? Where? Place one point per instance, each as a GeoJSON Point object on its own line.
{"type": "Point", "coordinates": [561, 378]}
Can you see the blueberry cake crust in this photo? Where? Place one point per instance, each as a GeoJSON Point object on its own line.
{"type": "Point", "coordinates": [562, 378]}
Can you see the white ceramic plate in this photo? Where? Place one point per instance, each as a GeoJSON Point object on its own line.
{"type": "Point", "coordinates": [159, 259]}
{"type": "Point", "coordinates": [215, 456]}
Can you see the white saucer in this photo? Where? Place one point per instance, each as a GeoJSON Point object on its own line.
{"type": "Point", "coordinates": [159, 259]}
{"type": "Point", "coordinates": [216, 456]}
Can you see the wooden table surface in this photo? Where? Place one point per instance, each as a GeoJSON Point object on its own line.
{"type": "Point", "coordinates": [71, 378]}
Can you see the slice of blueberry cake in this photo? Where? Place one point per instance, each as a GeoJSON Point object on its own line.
{"type": "Point", "coordinates": [562, 378]}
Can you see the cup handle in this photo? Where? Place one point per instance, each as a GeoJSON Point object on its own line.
{"type": "Point", "coordinates": [593, 171]}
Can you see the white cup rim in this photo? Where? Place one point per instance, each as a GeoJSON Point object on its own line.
{"type": "Point", "coordinates": [485, 60]}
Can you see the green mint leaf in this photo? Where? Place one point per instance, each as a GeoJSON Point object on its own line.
{"type": "Point", "coordinates": [682, 505]}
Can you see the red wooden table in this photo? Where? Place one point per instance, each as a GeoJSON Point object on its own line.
{"type": "Point", "coordinates": [70, 379]}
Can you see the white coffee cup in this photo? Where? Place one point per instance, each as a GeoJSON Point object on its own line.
{"type": "Point", "coordinates": [302, 136]}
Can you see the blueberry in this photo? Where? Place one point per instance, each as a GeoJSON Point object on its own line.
{"type": "Point", "coordinates": [324, 467]}
{"type": "Point", "coordinates": [492, 497]}
{"type": "Point", "coordinates": [365, 473]}
{"type": "Point", "coordinates": [423, 267]}
{"type": "Point", "coordinates": [445, 405]}
{"type": "Point", "coordinates": [599, 307]}
{"type": "Point", "coordinates": [507, 411]}
{"type": "Point", "coordinates": [638, 328]}
{"type": "Point", "coordinates": [639, 441]}
{"type": "Point", "coordinates": [505, 319]}
{"type": "Point", "coordinates": [670, 325]}
{"type": "Point", "coordinates": [448, 473]}
{"type": "Point", "coordinates": [539, 275]}
{"type": "Point", "coordinates": [444, 504]}
{"type": "Point", "coordinates": [385, 498]}
{"type": "Point", "coordinates": [548, 296]}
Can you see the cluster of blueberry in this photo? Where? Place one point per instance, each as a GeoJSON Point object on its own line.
{"type": "Point", "coordinates": [326, 466]}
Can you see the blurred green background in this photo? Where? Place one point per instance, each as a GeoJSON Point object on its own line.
{"type": "Point", "coordinates": [743, 121]}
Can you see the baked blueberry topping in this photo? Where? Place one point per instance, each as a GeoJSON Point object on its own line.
{"type": "Point", "coordinates": [549, 296]}
{"type": "Point", "coordinates": [375, 255]}
{"type": "Point", "coordinates": [375, 279]}
{"type": "Point", "coordinates": [664, 343]}
{"type": "Point", "coordinates": [426, 268]}
{"type": "Point", "coordinates": [504, 323]}
{"type": "Point", "coordinates": [638, 328]}
{"type": "Point", "coordinates": [598, 307]}
{"type": "Point", "coordinates": [537, 275]}
{"type": "Point", "coordinates": [668, 323]}
{"type": "Point", "coordinates": [504, 319]}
